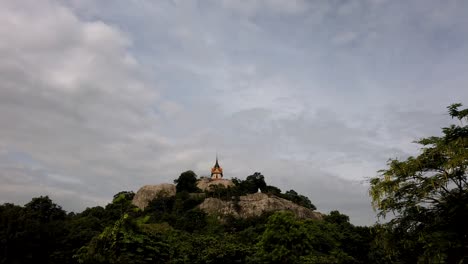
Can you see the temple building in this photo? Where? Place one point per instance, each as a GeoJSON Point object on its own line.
{"type": "Point", "coordinates": [216, 171]}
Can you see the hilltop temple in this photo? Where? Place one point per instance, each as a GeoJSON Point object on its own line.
{"type": "Point", "coordinates": [216, 171]}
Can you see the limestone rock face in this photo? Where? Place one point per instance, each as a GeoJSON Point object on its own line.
{"type": "Point", "coordinates": [149, 192]}
{"type": "Point", "coordinates": [205, 183]}
{"type": "Point", "coordinates": [250, 205]}
{"type": "Point", "coordinates": [255, 204]}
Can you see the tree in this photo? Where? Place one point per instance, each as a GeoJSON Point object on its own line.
{"type": "Point", "coordinates": [287, 239]}
{"type": "Point", "coordinates": [284, 240]}
{"type": "Point", "coordinates": [33, 233]}
{"type": "Point", "coordinates": [251, 184]}
{"type": "Point", "coordinates": [273, 190]}
{"type": "Point", "coordinates": [337, 218]}
{"type": "Point", "coordinates": [43, 209]}
{"type": "Point", "coordinates": [299, 199]}
{"type": "Point", "coordinates": [12, 240]}
{"type": "Point", "coordinates": [354, 240]}
{"type": "Point", "coordinates": [258, 182]}
{"type": "Point", "coordinates": [124, 242]}
{"type": "Point", "coordinates": [428, 196]}
{"type": "Point", "coordinates": [187, 181]}
{"type": "Point", "coordinates": [160, 205]}
{"type": "Point", "coordinates": [121, 204]}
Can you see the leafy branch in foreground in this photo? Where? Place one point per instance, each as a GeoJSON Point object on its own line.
{"type": "Point", "coordinates": [428, 196]}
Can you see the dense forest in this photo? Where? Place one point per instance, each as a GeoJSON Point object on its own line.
{"type": "Point", "coordinates": [425, 199]}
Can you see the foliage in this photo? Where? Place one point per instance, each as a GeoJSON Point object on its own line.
{"type": "Point", "coordinates": [356, 241]}
{"type": "Point", "coordinates": [207, 248]}
{"type": "Point", "coordinates": [273, 190]}
{"type": "Point", "coordinates": [252, 184]}
{"type": "Point", "coordinates": [283, 241]}
{"type": "Point", "coordinates": [160, 206]}
{"type": "Point", "coordinates": [191, 220]}
{"type": "Point", "coordinates": [256, 182]}
{"type": "Point", "coordinates": [289, 240]}
{"type": "Point", "coordinates": [169, 230]}
{"type": "Point", "coordinates": [12, 229]}
{"type": "Point", "coordinates": [428, 196]}
{"type": "Point", "coordinates": [121, 204]}
{"type": "Point", "coordinates": [299, 199]}
{"type": "Point", "coordinates": [44, 210]}
{"type": "Point", "coordinates": [124, 243]}
{"type": "Point", "coordinates": [187, 182]}
{"type": "Point", "coordinates": [32, 233]}
{"type": "Point", "coordinates": [221, 192]}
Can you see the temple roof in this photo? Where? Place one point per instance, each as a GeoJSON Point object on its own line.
{"type": "Point", "coordinates": [217, 169]}
{"type": "Point", "coordinates": [217, 164]}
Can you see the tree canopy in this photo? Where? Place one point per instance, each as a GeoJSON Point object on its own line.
{"type": "Point", "coordinates": [428, 198]}
{"type": "Point", "coordinates": [187, 181]}
{"type": "Point", "coordinates": [173, 230]}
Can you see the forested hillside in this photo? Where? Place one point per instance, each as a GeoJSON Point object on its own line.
{"type": "Point", "coordinates": [174, 230]}
{"type": "Point", "coordinates": [426, 197]}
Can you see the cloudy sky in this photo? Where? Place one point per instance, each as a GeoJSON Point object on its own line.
{"type": "Point", "coordinates": [97, 97]}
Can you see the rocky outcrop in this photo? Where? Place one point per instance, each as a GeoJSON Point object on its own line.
{"type": "Point", "coordinates": [205, 184]}
{"type": "Point", "coordinates": [149, 192]}
{"type": "Point", "coordinates": [255, 204]}
{"type": "Point", "coordinates": [250, 205]}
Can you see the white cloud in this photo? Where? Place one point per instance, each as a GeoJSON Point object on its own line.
{"type": "Point", "coordinates": [70, 92]}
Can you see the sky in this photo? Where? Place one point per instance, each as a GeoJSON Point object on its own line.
{"type": "Point", "coordinates": [98, 97]}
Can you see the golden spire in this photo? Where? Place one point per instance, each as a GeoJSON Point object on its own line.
{"type": "Point", "coordinates": [216, 171]}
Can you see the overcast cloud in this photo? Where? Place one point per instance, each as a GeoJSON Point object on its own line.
{"type": "Point", "coordinates": [97, 97]}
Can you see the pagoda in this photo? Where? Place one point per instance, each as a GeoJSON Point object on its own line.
{"type": "Point", "coordinates": [216, 171]}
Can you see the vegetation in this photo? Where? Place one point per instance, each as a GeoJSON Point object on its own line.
{"type": "Point", "coordinates": [187, 182]}
{"type": "Point", "coordinates": [426, 195]}
{"type": "Point", "coordinates": [255, 183]}
{"type": "Point", "coordinates": [171, 230]}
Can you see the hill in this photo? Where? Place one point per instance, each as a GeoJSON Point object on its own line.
{"type": "Point", "coordinates": [244, 206]}
{"type": "Point", "coordinates": [193, 221]}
